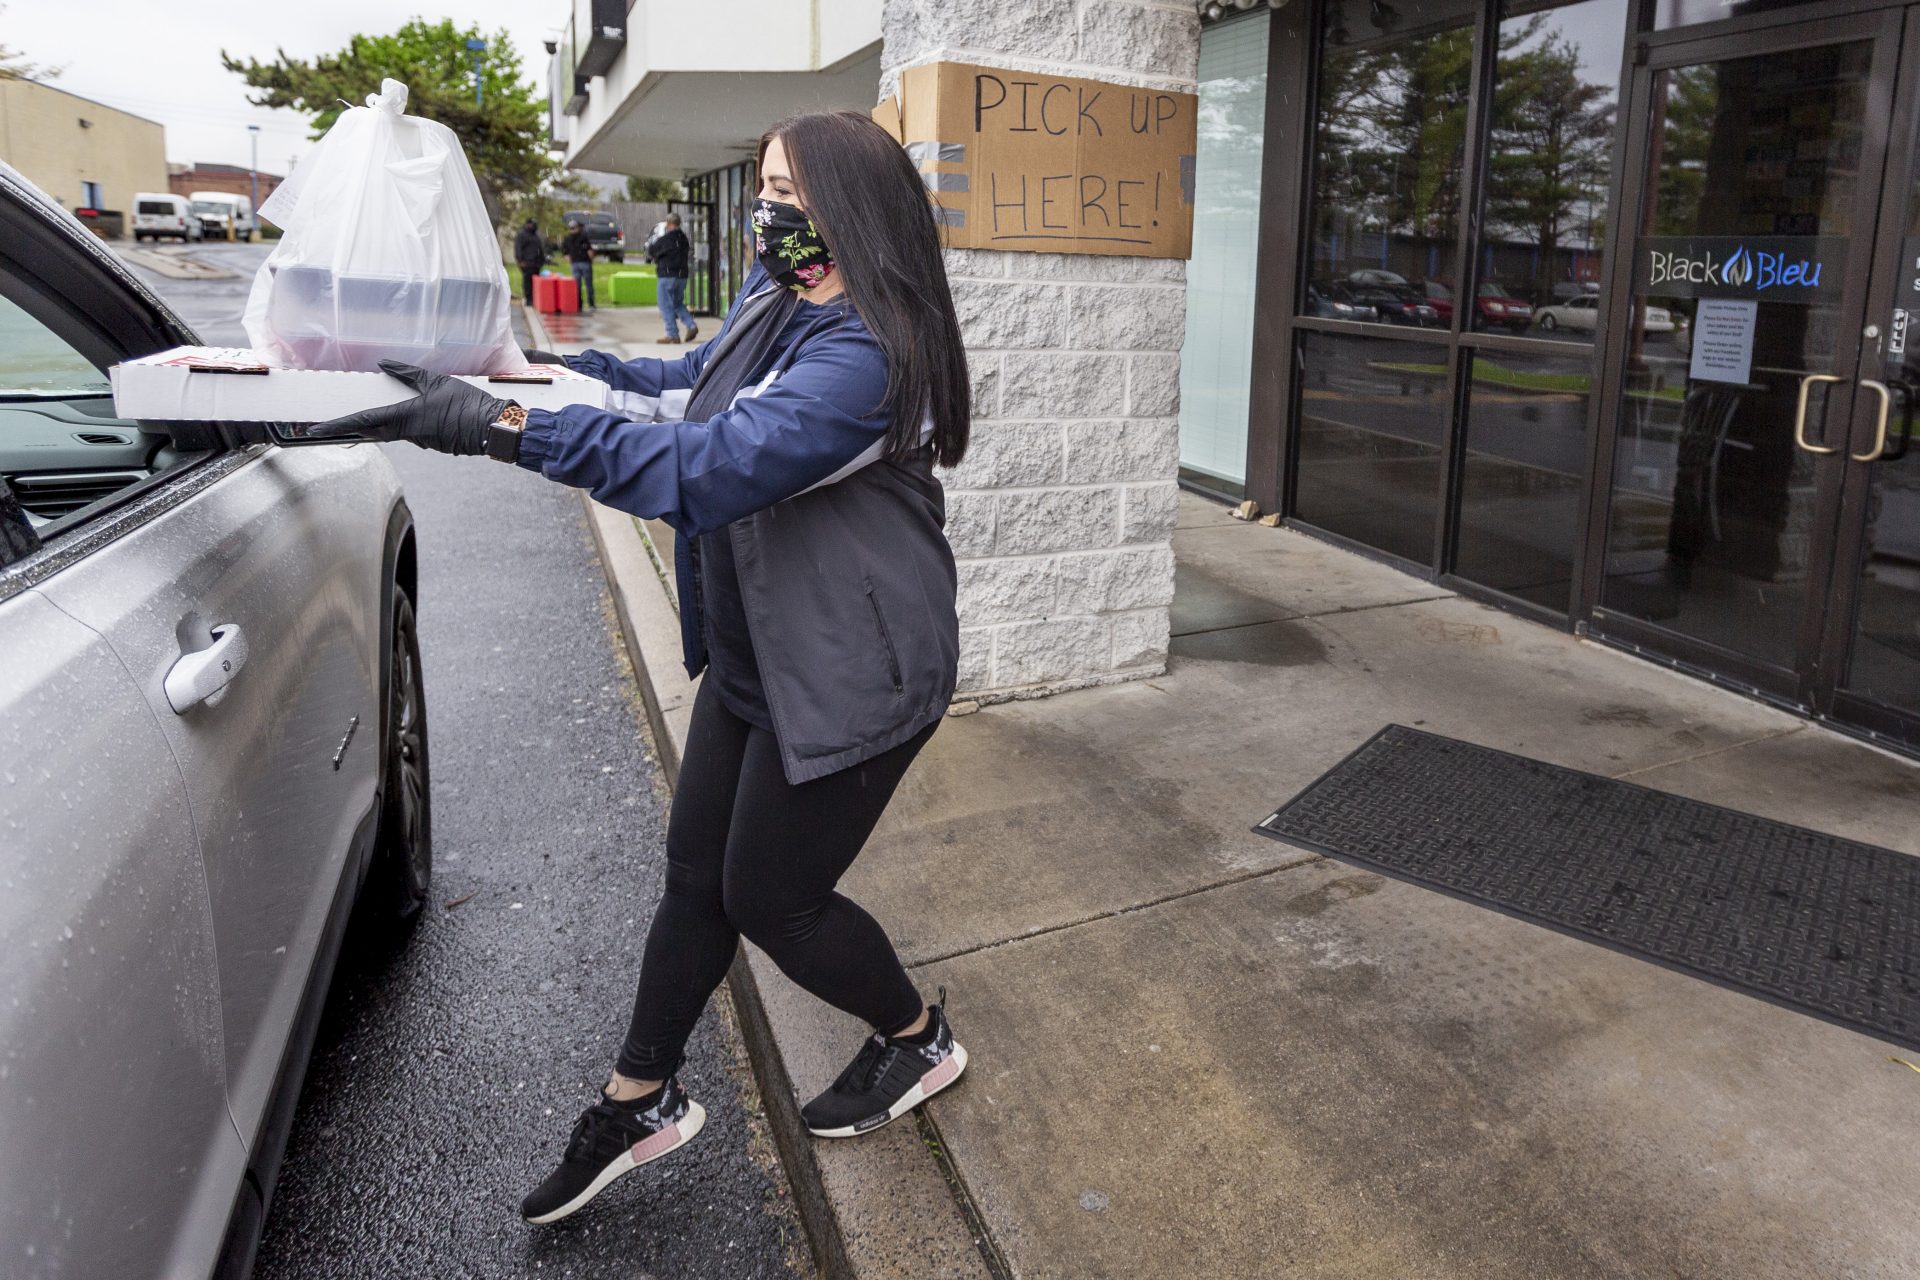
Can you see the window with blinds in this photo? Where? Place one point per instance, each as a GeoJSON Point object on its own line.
{"type": "Point", "coordinates": [1216, 365]}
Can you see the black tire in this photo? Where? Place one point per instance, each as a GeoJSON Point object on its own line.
{"type": "Point", "coordinates": [1549, 323]}
{"type": "Point", "coordinates": [619, 255]}
{"type": "Point", "coordinates": [401, 876]}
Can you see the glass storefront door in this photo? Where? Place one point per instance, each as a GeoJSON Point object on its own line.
{"type": "Point", "coordinates": [1872, 639]}
{"type": "Point", "coordinates": [1748, 533]}
{"type": "Point", "coordinates": [1609, 310]}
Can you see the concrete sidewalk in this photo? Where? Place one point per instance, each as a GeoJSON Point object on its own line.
{"type": "Point", "coordinates": [1198, 1052]}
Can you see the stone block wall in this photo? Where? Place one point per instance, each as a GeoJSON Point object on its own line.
{"type": "Point", "coordinates": [1061, 516]}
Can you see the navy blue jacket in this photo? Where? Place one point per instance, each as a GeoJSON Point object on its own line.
{"type": "Point", "coordinates": [844, 567]}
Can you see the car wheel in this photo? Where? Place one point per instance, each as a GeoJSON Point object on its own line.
{"type": "Point", "coordinates": [618, 257]}
{"type": "Point", "coordinates": [1549, 323]}
{"type": "Point", "coordinates": [402, 870]}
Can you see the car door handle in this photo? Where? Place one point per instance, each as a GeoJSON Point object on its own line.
{"type": "Point", "coordinates": [203, 676]}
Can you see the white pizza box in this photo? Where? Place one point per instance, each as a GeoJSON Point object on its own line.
{"type": "Point", "coordinates": [234, 384]}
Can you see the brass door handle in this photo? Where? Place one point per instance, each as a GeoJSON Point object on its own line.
{"type": "Point", "coordinates": [1800, 413]}
{"type": "Point", "coordinates": [1880, 432]}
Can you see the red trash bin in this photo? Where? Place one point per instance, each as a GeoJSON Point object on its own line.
{"type": "Point", "coordinates": [566, 293]}
{"type": "Point", "coordinates": [544, 298]}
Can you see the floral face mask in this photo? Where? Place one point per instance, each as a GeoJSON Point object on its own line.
{"type": "Point", "coordinates": [788, 247]}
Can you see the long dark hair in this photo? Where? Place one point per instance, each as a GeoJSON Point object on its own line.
{"type": "Point", "coordinates": [872, 209]}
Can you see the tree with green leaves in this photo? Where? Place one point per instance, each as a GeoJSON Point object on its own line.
{"type": "Point", "coordinates": [654, 190]}
{"type": "Point", "coordinates": [1390, 140]}
{"type": "Point", "coordinates": [14, 64]}
{"type": "Point", "coordinates": [1552, 148]}
{"type": "Point", "coordinates": [504, 132]}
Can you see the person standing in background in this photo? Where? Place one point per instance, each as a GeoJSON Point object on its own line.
{"type": "Point", "coordinates": [670, 253]}
{"type": "Point", "coordinates": [579, 251]}
{"type": "Point", "coordinates": [530, 253]}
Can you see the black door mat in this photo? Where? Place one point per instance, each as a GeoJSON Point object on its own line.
{"type": "Point", "coordinates": [1820, 924]}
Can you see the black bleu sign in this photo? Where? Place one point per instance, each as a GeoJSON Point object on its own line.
{"type": "Point", "coordinates": [1799, 269]}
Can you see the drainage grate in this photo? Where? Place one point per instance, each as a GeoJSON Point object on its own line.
{"type": "Point", "coordinates": [1820, 924]}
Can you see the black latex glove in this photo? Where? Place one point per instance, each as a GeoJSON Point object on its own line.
{"type": "Point", "coordinates": [541, 357]}
{"type": "Point", "coordinates": [448, 414]}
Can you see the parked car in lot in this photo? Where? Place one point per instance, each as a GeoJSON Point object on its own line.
{"type": "Point", "coordinates": [218, 210]}
{"type": "Point", "coordinates": [1495, 307]}
{"type": "Point", "coordinates": [162, 215]}
{"type": "Point", "coordinates": [1440, 298]}
{"type": "Point", "coordinates": [1582, 315]}
{"type": "Point", "coordinates": [1395, 304]}
{"type": "Point", "coordinates": [603, 233]}
{"type": "Point", "coordinates": [1331, 302]}
{"type": "Point", "coordinates": [212, 744]}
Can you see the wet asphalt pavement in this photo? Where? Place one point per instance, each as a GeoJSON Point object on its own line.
{"type": "Point", "coordinates": [448, 1076]}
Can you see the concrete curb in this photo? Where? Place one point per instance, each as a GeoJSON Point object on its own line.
{"type": "Point", "coordinates": [650, 628]}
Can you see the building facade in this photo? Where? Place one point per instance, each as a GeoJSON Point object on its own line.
{"type": "Point", "coordinates": [1061, 517]}
{"type": "Point", "coordinates": [234, 179]}
{"type": "Point", "coordinates": [1594, 309]}
{"type": "Point", "coordinates": [83, 153]}
{"type": "Point", "coordinates": [636, 88]}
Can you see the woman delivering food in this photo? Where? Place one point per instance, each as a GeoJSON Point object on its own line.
{"type": "Point", "coordinates": [793, 454]}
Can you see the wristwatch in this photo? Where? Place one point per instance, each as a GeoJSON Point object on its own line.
{"type": "Point", "coordinates": [503, 433]}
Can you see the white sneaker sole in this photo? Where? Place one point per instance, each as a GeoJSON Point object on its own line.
{"type": "Point", "coordinates": [682, 1131]}
{"type": "Point", "coordinates": [908, 1101]}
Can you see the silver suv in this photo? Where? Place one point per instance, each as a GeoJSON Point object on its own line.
{"type": "Point", "coordinates": [212, 743]}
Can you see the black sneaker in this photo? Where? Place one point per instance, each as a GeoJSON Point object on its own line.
{"type": "Point", "coordinates": [887, 1079]}
{"type": "Point", "coordinates": [693, 331]}
{"type": "Point", "coordinates": [610, 1140]}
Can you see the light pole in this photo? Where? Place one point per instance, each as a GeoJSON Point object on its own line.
{"type": "Point", "coordinates": [253, 169]}
{"type": "Point", "coordinates": [475, 45]}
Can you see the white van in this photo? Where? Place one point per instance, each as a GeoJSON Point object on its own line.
{"type": "Point", "coordinates": [215, 209]}
{"type": "Point", "coordinates": [161, 213]}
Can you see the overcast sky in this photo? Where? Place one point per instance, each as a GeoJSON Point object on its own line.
{"type": "Point", "coordinates": [163, 61]}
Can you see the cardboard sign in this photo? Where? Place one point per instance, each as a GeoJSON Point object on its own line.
{"type": "Point", "coordinates": [1049, 164]}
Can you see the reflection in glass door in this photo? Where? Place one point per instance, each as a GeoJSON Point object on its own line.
{"type": "Point", "coordinates": [1883, 665]}
{"type": "Point", "coordinates": [1879, 548]}
{"type": "Point", "coordinates": [1737, 374]}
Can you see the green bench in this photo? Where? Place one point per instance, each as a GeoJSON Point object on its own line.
{"type": "Point", "coordinates": [633, 289]}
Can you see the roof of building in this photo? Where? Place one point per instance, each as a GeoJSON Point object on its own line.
{"type": "Point", "coordinates": [95, 102]}
{"type": "Point", "coordinates": [228, 170]}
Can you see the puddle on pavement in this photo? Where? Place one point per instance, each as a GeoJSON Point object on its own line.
{"type": "Point", "coordinates": [1266, 644]}
{"type": "Point", "coordinates": [1202, 602]}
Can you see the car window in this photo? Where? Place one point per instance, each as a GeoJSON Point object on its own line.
{"type": "Point", "coordinates": [62, 452]}
{"type": "Point", "coordinates": [153, 206]}
{"type": "Point", "coordinates": [37, 364]}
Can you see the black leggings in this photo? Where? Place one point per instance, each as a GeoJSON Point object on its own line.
{"type": "Point", "coordinates": [748, 853]}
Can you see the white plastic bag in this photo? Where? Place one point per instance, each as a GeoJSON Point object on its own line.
{"type": "Point", "coordinates": [387, 253]}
